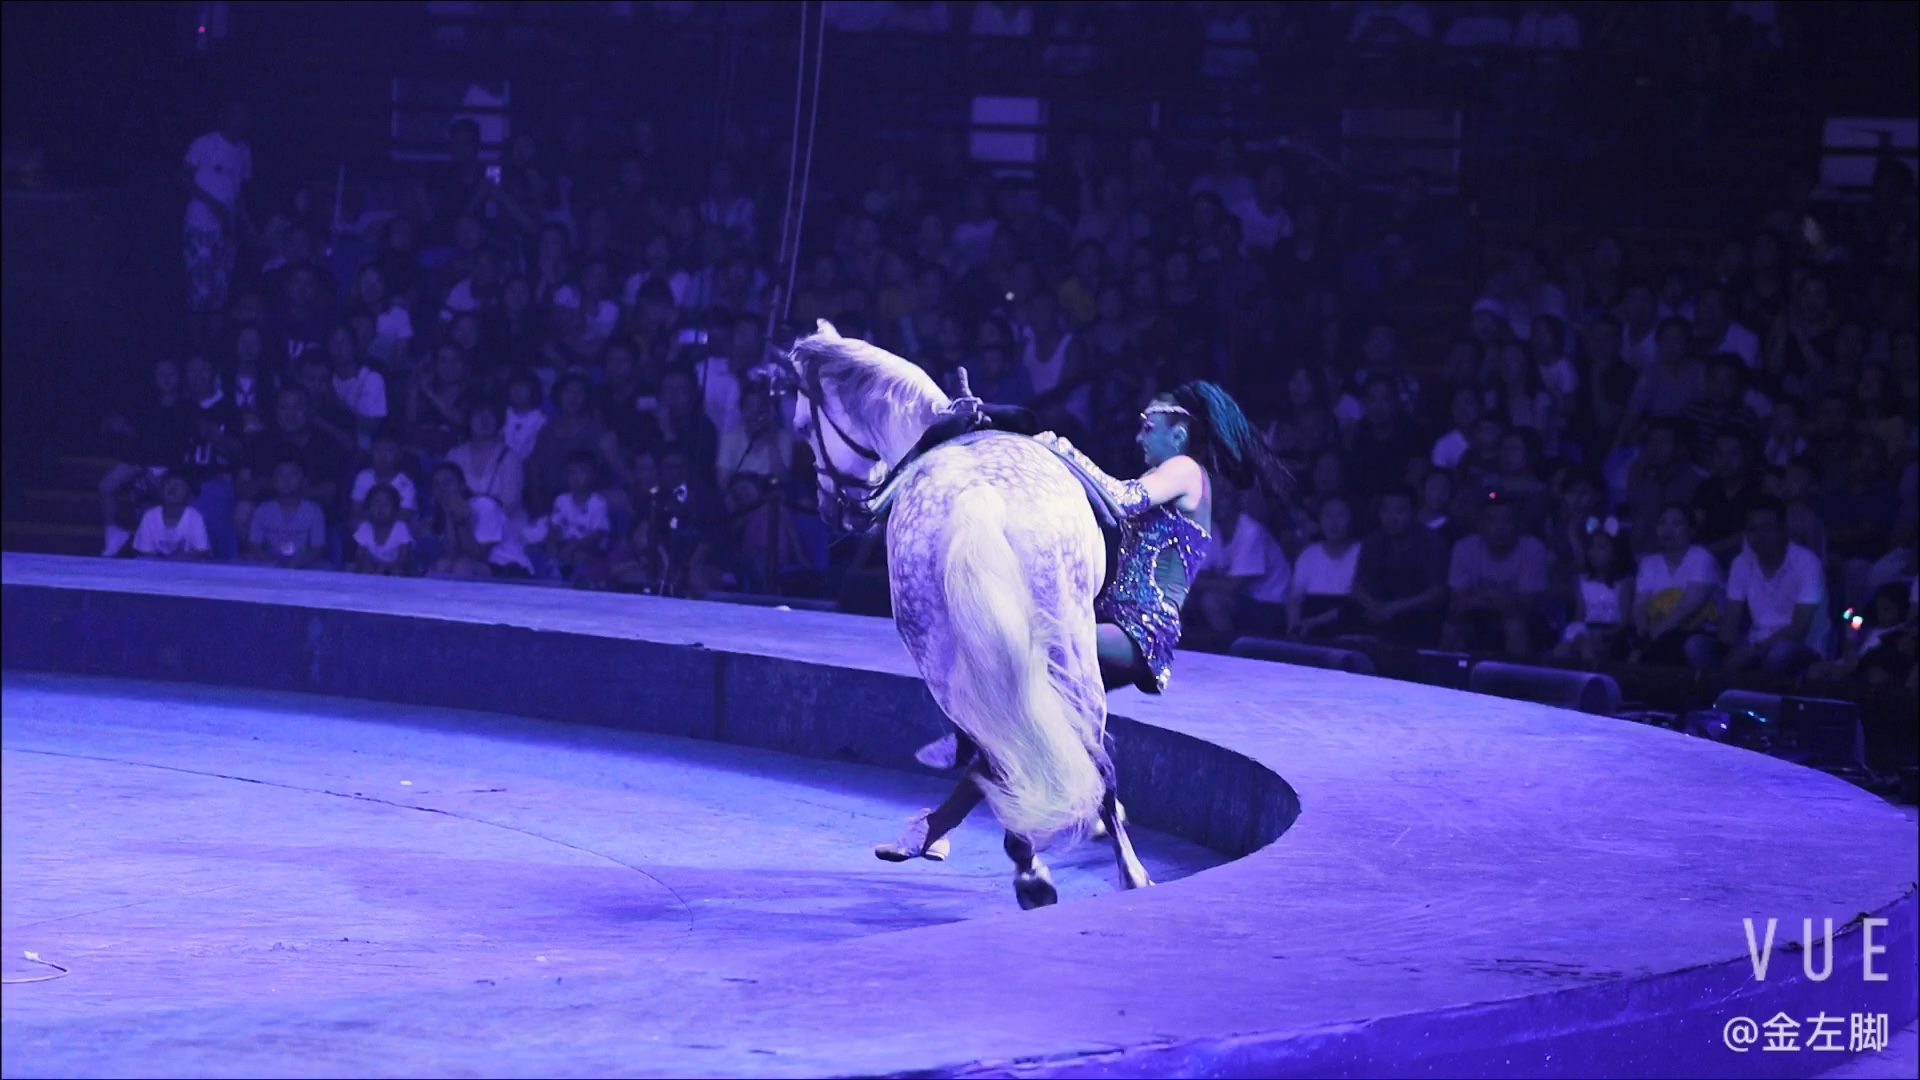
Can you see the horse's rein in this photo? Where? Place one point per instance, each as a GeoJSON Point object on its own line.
{"type": "Point", "coordinates": [853, 492]}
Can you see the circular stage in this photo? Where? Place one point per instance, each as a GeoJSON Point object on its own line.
{"type": "Point", "coordinates": [188, 846]}
{"type": "Point", "coordinates": [251, 874]}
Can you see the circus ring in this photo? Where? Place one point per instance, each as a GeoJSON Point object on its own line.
{"type": "Point", "coordinates": [1410, 881]}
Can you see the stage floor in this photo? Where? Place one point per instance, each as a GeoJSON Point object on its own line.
{"type": "Point", "coordinates": [182, 846]}
{"type": "Point", "coordinates": [1471, 886]}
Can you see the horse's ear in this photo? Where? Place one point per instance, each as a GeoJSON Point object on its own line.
{"type": "Point", "coordinates": [825, 329]}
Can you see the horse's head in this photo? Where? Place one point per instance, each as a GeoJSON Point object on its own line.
{"type": "Point", "coordinates": [859, 409]}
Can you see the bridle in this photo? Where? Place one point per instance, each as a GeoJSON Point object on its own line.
{"type": "Point", "coordinates": [852, 494]}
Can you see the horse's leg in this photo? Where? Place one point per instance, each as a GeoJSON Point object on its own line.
{"type": "Point", "coordinates": [1032, 884]}
{"type": "Point", "coordinates": [926, 837]}
{"type": "Point", "coordinates": [1132, 874]}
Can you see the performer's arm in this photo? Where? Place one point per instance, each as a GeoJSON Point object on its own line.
{"type": "Point", "coordinates": [1171, 480]}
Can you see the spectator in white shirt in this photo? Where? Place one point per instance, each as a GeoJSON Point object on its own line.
{"type": "Point", "coordinates": [384, 470]}
{"type": "Point", "coordinates": [757, 444]}
{"type": "Point", "coordinates": [1242, 587]}
{"type": "Point", "coordinates": [1675, 595]}
{"type": "Point", "coordinates": [382, 542]}
{"type": "Point", "coordinates": [392, 325]}
{"type": "Point", "coordinates": [360, 388]}
{"type": "Point", "coordinates": [475, 541]}
{"type": "Point", "coordinates": [172, 530]}
{"type": "Point", "coordinates": [487, 463]}
{"type": "Point", "coordinates": [586, 315]}
{"type": "Point", "coordinates": [1496, 577]}
{"type": "Point", "coordinates": [578, 528]}
{"type": "Point", "coordinates": [1320, 597]}
{"type": "Point", "coordinates": [1774, 594]}
{"type": "Point", "coordinates": [657, 265]}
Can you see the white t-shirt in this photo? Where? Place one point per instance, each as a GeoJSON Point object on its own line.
{"type": "Point", "coordinates": [1697, 567]}
{"type": "Point", "coordinates": [1741, 342]}
{"type": "Point", "coordinates": [522, 430]}
{"type": "Point", "coordinates": [1260, 230]}
{"type": "Point", "coordinates": [1560, 378]}
{"type": "Point", "coordinates": [494, 471]}
{"type": "Point", "coordinates": [491, 526]}
{"type": "Point", "coordinates": [1602, 600]}
{"type": "Point", "coordinates": [365, 393]}
{"type": "Point", "coordinates": [573, 521]}
{"type": "Point", "coordinates": [392, 327]}
{"type": "Point", "coordinates": [1448, 449]}
{"type": "Point", "coordinates": [1317, 573]}
{"type": "Point", "coordinates": [156, 537]}
{"type": "Point", "coordinates": [1252, 553]}
{"type": "Point", "coordinates": [1770, 600]}
{"type": "Point", "coordinates": [388, 550]}
{"type": "Point", "coordinates": [401, 483]}
{"type": "Point", "coordinates": [219, 167]}
{"type": "Point", "coordinates": [460, 300]}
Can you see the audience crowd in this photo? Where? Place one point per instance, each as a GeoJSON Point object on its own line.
{"type": "Point", "coordinates": [550, 367]}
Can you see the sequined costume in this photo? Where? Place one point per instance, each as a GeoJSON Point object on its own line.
{"type": "Point", "coordinates": [1161, 550]}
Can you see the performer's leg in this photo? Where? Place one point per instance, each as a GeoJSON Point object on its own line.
{"type": "Point", "coordinates": [926, 836]}
{"type": "Point", "coordinates": [966, 795]}
{"type": "Point", "coordinates": [1120, 659]}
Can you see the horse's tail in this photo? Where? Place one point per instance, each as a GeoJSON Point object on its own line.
{"type": "Point", "coordinates": [1016, 688]}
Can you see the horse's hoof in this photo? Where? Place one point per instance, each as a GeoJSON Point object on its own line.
{"type": "Point", "coordinates": [1034, 888]}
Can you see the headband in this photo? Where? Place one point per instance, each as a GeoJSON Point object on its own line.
{"type": "Point", "coordinates": [1165, 407]}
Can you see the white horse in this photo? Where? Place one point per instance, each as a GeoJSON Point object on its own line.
{"type": "Point", "coordinates": [994, 557]}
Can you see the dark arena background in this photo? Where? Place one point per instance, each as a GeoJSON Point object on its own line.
{"type": "Point", "coordinates": [426, 654]}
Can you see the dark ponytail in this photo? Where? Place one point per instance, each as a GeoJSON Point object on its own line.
{"type": "Point", "coordinates": [1222, 440]}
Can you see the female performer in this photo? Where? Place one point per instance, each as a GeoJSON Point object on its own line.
{"type": "Point", "coordinates": [1188, 437]}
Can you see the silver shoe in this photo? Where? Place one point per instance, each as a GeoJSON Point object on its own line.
{"type": "Point", "coordinates": [941, 753]}
{"type": "Point", "coordinates": [913, 843]}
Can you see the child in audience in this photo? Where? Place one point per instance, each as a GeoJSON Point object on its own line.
{"type": "Point", "coordinates": [578, 528]}
{"type": "Point", "coordinates": [1603, 597]}
{"type": "Point", "coordinates": [385, 471]}
{"type": "Point", "coordinates": [288, 531]}
{"type": "Point", "coordinates": [173, 529]}
{"type": "Point", "coordinates": [525, 417]}
{"type": "Point", "coordinates": [382, 542]}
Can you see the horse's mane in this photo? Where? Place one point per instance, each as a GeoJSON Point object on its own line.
{"type": "Point", "coordinates": [891, 398]}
